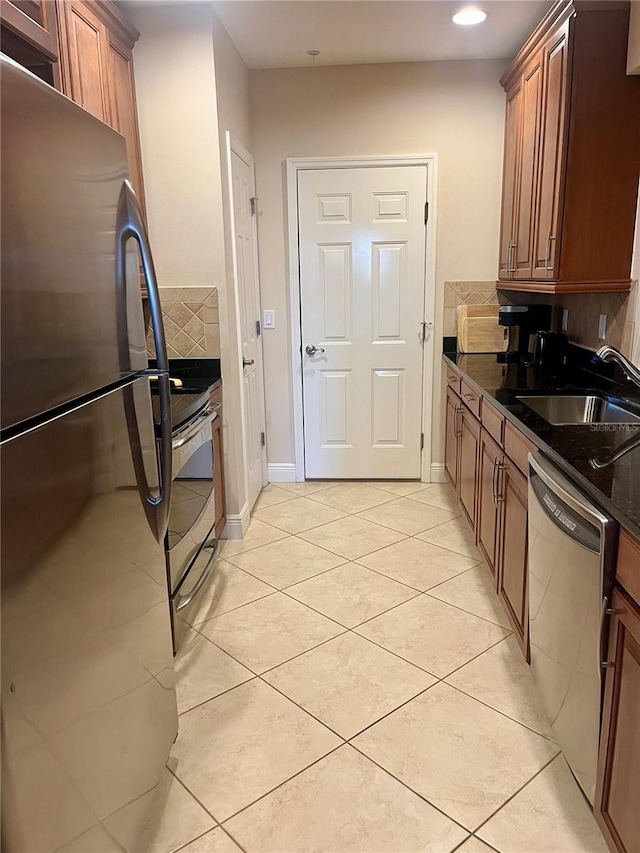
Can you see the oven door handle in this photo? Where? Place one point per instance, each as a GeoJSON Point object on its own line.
{"type": "Point", "coordinates": [208, 415]}
{"type": "Point", "coordinates": [181, 601]}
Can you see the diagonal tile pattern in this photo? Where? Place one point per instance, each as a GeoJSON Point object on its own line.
{"type": "Point", "coordinates": [351, 594]}
{"type": "Point", "coordinates": [348, 683]}
{"type": "Point", "coordinates": [432, 634]}
{"type": "Point", "coordinates": [355, 687]}
{"type": "Point", "coordinates": [286, 562]}
{"type": "Point", "coordinates": [298, 515]}
{"type": "Point", "coordinates": [269, 631]}
{"type": "Point", "coordinates": [471, 761]}
{"type": "Point", "coordinates": [407, 516]}
{"type": "Point", "coordinates": [344, 802]}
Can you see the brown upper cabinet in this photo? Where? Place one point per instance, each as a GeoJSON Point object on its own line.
{"type": "Point", "coordinates": [85, 49]}
{"type": "Point", "coordinates": [30, 36]}
{"type": "Point", "coordinates": [571, 155]}
{"type": "Point", "coordinates": [96, 54]}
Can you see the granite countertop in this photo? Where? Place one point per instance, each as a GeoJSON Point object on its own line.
{"type": "Point", "coordinates": [196, 374]}
{"type": "Point", "coordinates": [614, 484]}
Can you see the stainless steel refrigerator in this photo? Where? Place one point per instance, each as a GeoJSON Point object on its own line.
{"type": "Point", "coordinates": [88, 700]}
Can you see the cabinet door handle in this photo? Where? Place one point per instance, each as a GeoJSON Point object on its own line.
{"type": "Point", "coordinates": [547, 255]}
{"type": "Point", "coordinates": [499, 496]}
{"type": "Point", "coordinates": [494, 482]}
{"type": "Point", "coordinates": [605, 615]}
{"type": "Point", "coordinates": [458, 421]}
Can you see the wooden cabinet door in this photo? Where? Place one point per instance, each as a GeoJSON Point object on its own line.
{"type": "Point", "coordinates": [522, 260]}
{"type": "Point", "coordinates": [468, 463]}
{"type": "Point", "coordinates": [122, 107]}
{"type": "Point", "coordinates": [218, 478]}
{"type": "Point", "coordinates": [513, 544]}
{"type": "Point", "coordinates": [616, 803]}
{"type": "Point", "coordinates": [489, 457]}
{"type": "Point", "coordinates": [29, 35]}
{"type": "Point", "coordinates": [546, 236]}
{"type": "Point", "coordinates": [86, 65]}
{"type": "Point", "coordinates": [512, 135]}
{"type": "Point", "coordinates": [453, 405]}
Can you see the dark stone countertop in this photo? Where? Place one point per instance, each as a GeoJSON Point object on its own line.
{"type": "Point", "coordinates": [616, 485]}
{"type": "Point", "coordinates": [196, 374]}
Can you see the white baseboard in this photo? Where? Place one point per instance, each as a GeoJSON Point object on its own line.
{"type": "Point", "coordinates": [437, 472]}
{"type": "Point", "coordinates": [237, 525]}
{"type": "Point", "coordinates": [281, 472]}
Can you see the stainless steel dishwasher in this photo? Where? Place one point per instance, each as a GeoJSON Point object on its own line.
{"type": "Point", "coordinates": [572, 549]}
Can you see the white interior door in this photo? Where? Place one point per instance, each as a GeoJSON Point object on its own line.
{"type": "Point", "coordinates": [362, 284]}
{"type": "Point", "coordinates": [248, 306]}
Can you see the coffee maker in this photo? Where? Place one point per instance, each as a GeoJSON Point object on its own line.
{"type": "Point", "coordinates": [522, 321]}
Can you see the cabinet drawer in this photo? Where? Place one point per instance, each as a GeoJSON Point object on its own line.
{"type": "Point", "coordinates": [453, 379]}
{"type": "Point", "coordinates": [517, 447]}
{"type": "Point", "coordinates": [628, 569]}
{"type": "Point", "coordinates": [471, 398]}
{"type": "Point", "coordinates": [492, 421]}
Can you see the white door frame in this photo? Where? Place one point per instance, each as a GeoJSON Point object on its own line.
{"type": "Point", "coordinates": [234, 146]}
{"type": "Point", "coordinates": [297, 164]}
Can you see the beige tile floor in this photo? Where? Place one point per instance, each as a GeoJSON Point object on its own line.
{"type": "Point", "coordinates": [350, 683]}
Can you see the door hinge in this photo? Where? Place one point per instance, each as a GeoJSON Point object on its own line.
{"type": "Point", "coordinates": [258, 328]}
{"type": "Point", "coordinates": [424, 327]}
{"type": "Point", "coordinates": [263, 439]}
{"type": "Point", "coordinates": [421, 441]}
{"type": "Point", "coordinates": [426, 212]}
{"type": "Point", "coordinates": [253, 203]}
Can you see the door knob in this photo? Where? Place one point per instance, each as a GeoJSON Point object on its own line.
{"type": "Point", "coordinates": [247, 362]}
{"type": "Point", "coordinates": [310, 349]}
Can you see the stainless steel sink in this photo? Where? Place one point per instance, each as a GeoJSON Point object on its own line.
{"type": "Point", "coordinates": [580, 409]}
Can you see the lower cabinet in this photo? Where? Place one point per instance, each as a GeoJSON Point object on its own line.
{"type": "Point", "coordinates": [469, 438]}
{"type": "Point", "coordinates": [512, 560]}
{"type": "Point", "coordinates": [492, 492]}
{"type": "Point", "coordinates": [617, 804]}
{"type": "Point", "coordinates": [218, 464]}
{"type": "Point", "coordinates": [489, 457]}
{"type": "Point", "coordinates": [453, 406]}
{"type": "Point", "coordinates": [462, 440]}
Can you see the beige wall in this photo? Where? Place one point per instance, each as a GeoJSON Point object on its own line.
{"type": "Point", "coordinates": [178, 133]}
{"type": "Point", "coordinates": [192, 86]}
{"type": "Point", "coordinates": [454, 109]}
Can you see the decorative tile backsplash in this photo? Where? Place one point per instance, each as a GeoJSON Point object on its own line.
{"type": "Point", "coordinates": [191, 322]}
{"type": "Point", "coordinates": [584, 311]}
{"type": "Point", "coordinates": [465, 293]}
{"type": "Point", "coordinates": [584, 315]}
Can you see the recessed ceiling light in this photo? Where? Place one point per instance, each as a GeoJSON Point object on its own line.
{"type": "Point", "coordinates": [468, 17]}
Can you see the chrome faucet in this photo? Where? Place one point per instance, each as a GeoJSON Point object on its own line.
{"type": "Point", "coordinates": [608, 353]}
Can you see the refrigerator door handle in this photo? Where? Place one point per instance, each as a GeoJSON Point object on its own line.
{"type": "Point", "coordinates": [130, 224]}
{"type": "Point", "coordinates": [153, 504]}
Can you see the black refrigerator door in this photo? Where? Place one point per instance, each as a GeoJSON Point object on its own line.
{"type": "Point", "coordinates": [68, 328]}
{"type": "Point", "coordinates": [88, 700]}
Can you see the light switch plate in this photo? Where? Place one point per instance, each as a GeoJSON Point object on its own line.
{"type": "Point", "coordinates": [268, 318]}
{"type": "Point", "coordinates": [565, 319]}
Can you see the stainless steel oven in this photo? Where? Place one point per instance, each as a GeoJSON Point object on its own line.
{"type": "Point", "coordinates": [191, 546]}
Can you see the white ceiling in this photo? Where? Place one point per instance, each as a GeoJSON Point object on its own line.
{"type": "Point", "coordinates": [277, 33]}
